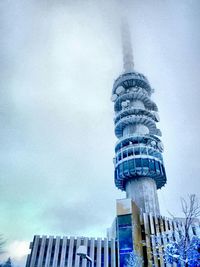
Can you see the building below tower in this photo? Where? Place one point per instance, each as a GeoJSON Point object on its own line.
{"type": "Point", "coordinates": [143, 236]}
{"type": "Point", "coordinates": [61, 252]}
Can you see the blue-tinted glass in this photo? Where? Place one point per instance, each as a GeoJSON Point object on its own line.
{"type": "Point", "coordinates": [120, 168]}
{"type": "Point", "coordinates": [125, 237]}
{"type": "Point", "coordinates": [145, 162]}
{"type": "Point", "coordinates": [125, 165]}
{"type": "Point", "coordinates": [124, 154]}
{"type": "Point", "coordinates": [130, 152]}
{"type": "Point", "coordinates": [124, 220]}
{"type": "Point", "coordinates": [138, 162]}
{"type": "Point", "coordinates": [157, 166]}
{"type": "Point", "coordinates": [151, 165]}
{"type": "Point", "coordinates": [131, 164]}
{"type": "Point", "coordinates": [136, 151]}
{"type": "Point", "coordinates": [143, 150]}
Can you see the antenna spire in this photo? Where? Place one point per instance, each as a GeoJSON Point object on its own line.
{"type": "Point", "coordinates": [127, 47]}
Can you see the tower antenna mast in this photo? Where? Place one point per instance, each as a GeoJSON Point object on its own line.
{"type": "Point", "coordinates": [128, 61]}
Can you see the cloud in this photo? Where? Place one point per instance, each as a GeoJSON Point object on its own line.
{"type": "Point", "coordinates": [18, 249]}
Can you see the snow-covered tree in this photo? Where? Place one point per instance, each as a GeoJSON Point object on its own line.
{"type": "Point", "coordinates": [8, 263]}
{"type": "Point", "coordinates": [186, 249]}
{"type": "Point", "coordinates": [176, 252]}
{"type": "Point", "coordinates": [2, 243]}
{"type": "Point", "coordinates": [134, 260]}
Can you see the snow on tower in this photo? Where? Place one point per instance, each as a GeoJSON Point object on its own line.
{"type": "Point", "coordinates": [139, 167]}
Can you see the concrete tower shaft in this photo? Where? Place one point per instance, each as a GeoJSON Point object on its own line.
{"type": "Point", "coordinates": [139, 168]}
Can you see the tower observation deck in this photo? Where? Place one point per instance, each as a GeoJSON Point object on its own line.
{"type": "Point", "coordinates": [139, 167]}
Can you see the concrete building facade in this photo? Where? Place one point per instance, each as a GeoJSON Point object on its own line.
{"type": "Point", "coordinates": [49, 251]}
{"type": "Point", "coordinates": [146, 235]}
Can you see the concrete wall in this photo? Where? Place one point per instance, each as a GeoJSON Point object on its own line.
{"type": "Point", "coordinates": [61, 252]}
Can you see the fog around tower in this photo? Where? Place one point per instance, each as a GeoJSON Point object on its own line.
{"type": "Point", "coordinates": [58, 63]}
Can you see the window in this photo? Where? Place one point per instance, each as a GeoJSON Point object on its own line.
{"type": "Point", "coordinates": [151, 165]}
{"type": "Point", "coordinates": [120, 169]}
{"type": "Point", "coordinates": [145, 162]}
{"type": "Point", "coordinates": [136, 151]}
{"type": "Point", "coordinates": [124, 154]}
{"type": "Point", "coordinates": [125, 237]}
{"type": "Point", "coordinates": [130, 152]}
{"type": "Point", "coordinates": [157, 167]}
{"type": "Point", "coordinates": [143, 150]}
{"type": "Point", "coordinates": [126, 168]}
{"type": "Point", "coordinates": [138, 162]}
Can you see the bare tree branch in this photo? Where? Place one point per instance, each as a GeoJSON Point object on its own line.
{"type": "Point", "coordinates": [2, 244]}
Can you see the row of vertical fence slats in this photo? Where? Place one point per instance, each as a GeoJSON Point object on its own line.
{"type": "Point", "coordinates": [92, 245]}
{"type": "Point", "coordinates": [105, 252]}
{"type": "Point", "coordinates": [67, 247]}
{"type": "Point", "coordinates": [77, 259]}
{"type": "Point", "coordinates": [165, 238]}
{"type": "Point", "coordinates": [34, 251]}
{"type": "Point", "coordinates": [153, 241]}
{"type": "Point", "coordinates": [70, 253]}
{"type": "Point", "coordinates": [147, 237]}
{"type": "Point", "coordinates": [171, 236]}
{"type": "Point", "coordinates": [41, 255]}
{"type": "Point", "coordinates": [98, 264]}
{"type": "Point", "coordinates": [159, 241]}
{"type": "Point", "coordinates": [48, 257]}
{"type": "Point", "coordinates": [113, 253]}
{"type": "Point", "coordinates": [55, 259]}
{"type": "Point", "coordinates": [158, 233]}
{"type": "Point", "coordinates": [63, 252]}
{"type": "Point", "coordinates": [84, 264]}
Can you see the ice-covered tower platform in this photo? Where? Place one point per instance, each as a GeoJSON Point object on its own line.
{"type": "Point", "coordinates": [139, 167]}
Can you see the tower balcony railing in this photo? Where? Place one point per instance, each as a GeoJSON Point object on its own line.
{"type": "Point", "coordinates": [132, 95]}
{"type": "Point", "coordinates": [138, 151]}
{"type": "Point", "coordinates": [138, 157]}
{"type": "Point", "coordinates": [131, 79]}
{"type": "Point", "coordinates": [135, 119]}
{"type": "Point", "coordinates": [134, 139]}
{"type": "Point", "coordinates": [133, 111]}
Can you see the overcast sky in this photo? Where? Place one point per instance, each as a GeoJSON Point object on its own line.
{"type": "Point", "coordinates": [58, 61]}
